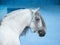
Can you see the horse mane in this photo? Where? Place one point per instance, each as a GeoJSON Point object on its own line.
{"type": "Point", "coordinates": [26, 28]}
{"type": "Point", "coordinates": [43, 21]}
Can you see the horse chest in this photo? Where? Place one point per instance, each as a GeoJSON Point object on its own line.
{"type": "Point", "coordinates": [8, 37]}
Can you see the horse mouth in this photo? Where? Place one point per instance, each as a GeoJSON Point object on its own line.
{"type": "Point", "coordinates": [41, 33]}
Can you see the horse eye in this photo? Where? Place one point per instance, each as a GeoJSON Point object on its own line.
{"type": "Point", "coordinates": [37, 19]}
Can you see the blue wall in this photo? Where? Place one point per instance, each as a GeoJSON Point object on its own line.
{"type": "Point", "coordinates": [29, 3]}
{"type": "Point", "coordinates": [50, 10]}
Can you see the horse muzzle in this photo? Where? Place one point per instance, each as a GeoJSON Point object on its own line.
{"type": "Point", "coordinates": [41, 33]}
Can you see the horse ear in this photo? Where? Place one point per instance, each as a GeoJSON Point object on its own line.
{"type": "Point", "coordinates": [37, 9]}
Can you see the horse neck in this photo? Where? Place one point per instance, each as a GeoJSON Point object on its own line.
{"type": "Point", "coordinates": [18, 23]}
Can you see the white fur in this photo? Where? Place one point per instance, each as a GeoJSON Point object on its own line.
{"type": "Point", "coordinates": [13, 25]}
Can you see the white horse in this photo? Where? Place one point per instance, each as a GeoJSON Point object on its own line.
{"type": "Point", "coordinates": [14, 24]}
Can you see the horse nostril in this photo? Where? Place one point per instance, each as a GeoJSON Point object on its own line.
{"type": "Point", "coordinates": [41, 33]}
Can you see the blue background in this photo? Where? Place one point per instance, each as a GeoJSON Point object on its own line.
{"type": "Point", "coordinates": [49, 9]}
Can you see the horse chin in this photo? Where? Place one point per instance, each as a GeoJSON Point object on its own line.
{"type": "Point", "coordinates": [41, 33]}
